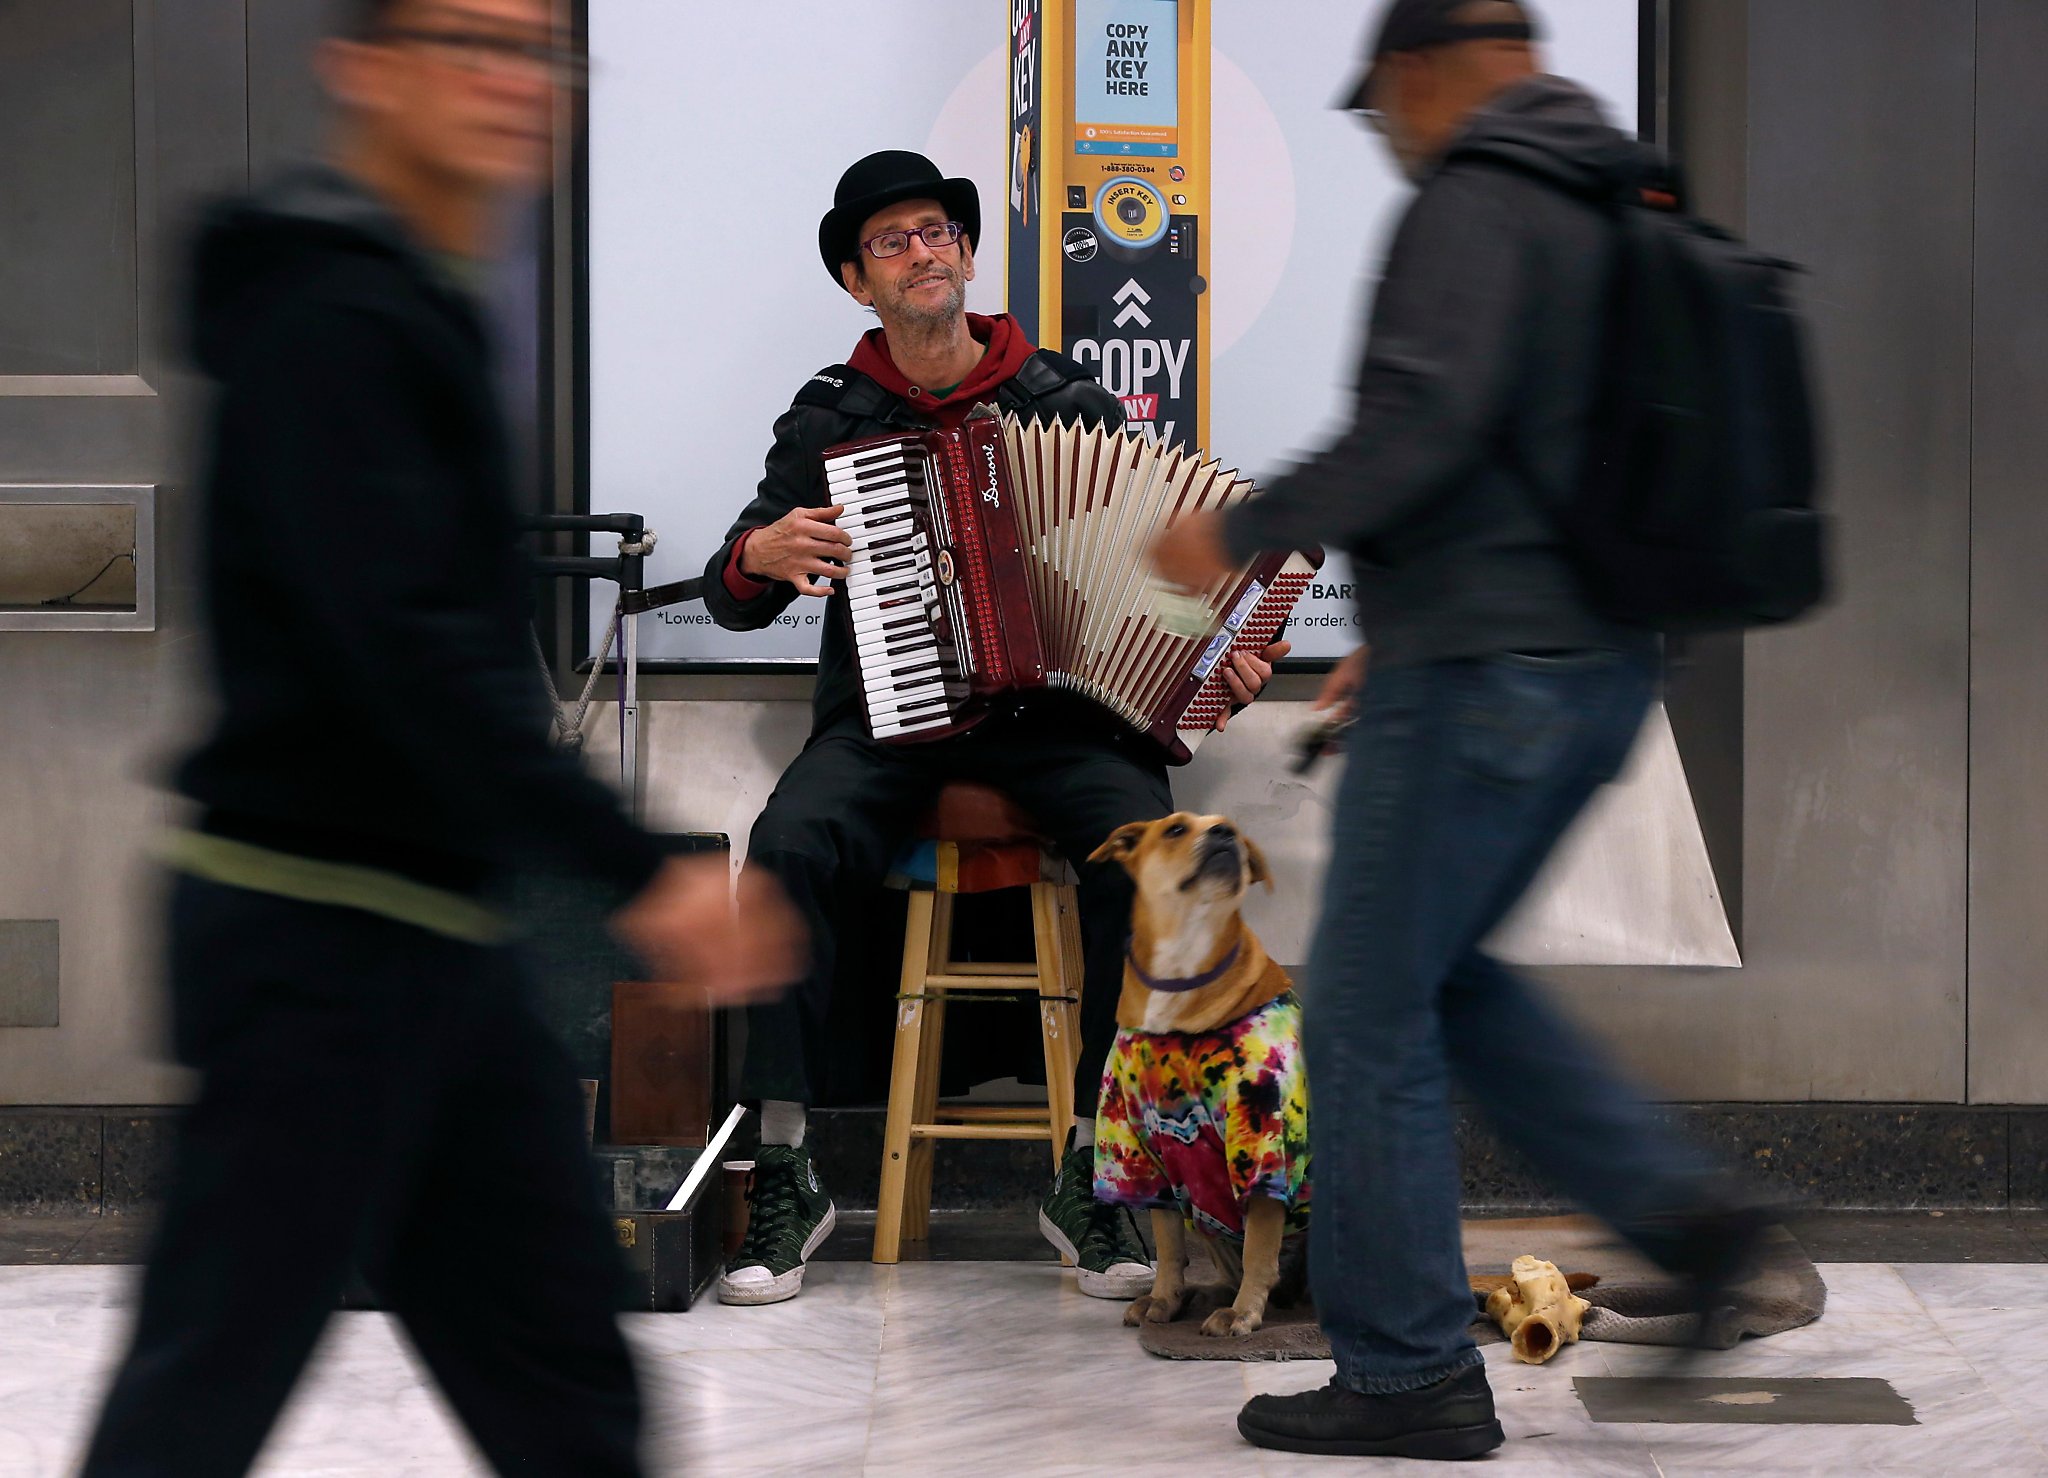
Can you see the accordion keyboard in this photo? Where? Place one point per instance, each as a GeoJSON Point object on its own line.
{"type": "Point", "coordinates": [891, 588]}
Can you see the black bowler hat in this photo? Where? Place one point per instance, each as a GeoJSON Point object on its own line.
{"type": "Point", "coordinates": [880, 181]}
{"type": "Point", "coordinates": [1417, 25]}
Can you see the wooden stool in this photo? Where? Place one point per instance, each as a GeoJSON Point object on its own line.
{"type": "Point", "coordinates": [974, 841]}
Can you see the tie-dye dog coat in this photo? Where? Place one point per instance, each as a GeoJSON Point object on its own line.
{"type": "Point", "coordinates": [1202, 1120]}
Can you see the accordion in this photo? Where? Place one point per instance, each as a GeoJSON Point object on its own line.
{"type": "Point", "coordinates": [1010, 555]}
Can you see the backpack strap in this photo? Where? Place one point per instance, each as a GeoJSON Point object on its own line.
{"type": "Point", "coordinates": [1655, 182]}
{"type": "Point", "coordinates": [845, 390]}
{"type": "Point", "coordinates": [1046, 372]}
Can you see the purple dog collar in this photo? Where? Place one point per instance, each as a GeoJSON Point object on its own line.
{"type": "Point", "coordinates": [1185, 982]}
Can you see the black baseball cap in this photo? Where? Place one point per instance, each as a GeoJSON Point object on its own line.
{"type": "Point", "coordinates": [1417, 25]}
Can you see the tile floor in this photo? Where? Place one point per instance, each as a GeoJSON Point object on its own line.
{"type": "Point", "coordinates": [1003, 1368]}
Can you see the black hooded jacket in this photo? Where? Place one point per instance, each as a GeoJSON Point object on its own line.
{"type": "Point", "coordinates": [380, 702]}
{"type": "Point", "coordinates": [1472, 404]}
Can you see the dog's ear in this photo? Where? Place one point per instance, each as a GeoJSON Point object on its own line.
{"type": "Point", "coordinates": [1260, 872]}
{"type": "Point", "coordinates": [1121, 844]}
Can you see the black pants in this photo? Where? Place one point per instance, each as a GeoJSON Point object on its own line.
{"type": "Point", "coordinates": [379, 1097]}
{"type": "Point", "coordinates": [845, 806]}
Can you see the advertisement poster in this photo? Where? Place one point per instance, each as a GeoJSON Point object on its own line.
{"type": "Point", "coordinates": [709, 307]}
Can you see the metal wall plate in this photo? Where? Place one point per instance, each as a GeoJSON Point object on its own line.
{"type": "Point", "coordinates": [1804, 1401]}
{"type": "Point", "coordinates": [29, 975]}
{"type": "Point", "coordinates": [62, 555]}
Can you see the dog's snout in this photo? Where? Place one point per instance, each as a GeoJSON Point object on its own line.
{"type": "Point", "coordinates": [1223, 831]}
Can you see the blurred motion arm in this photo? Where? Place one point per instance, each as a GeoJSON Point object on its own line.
{"type": "Point", "coordinates": [403, 571]}
{"type": "Point", "coordinates": [1442, 353]}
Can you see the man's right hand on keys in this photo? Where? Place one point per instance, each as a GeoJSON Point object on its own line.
{"type": "Point", "coordinates": [804, 547]}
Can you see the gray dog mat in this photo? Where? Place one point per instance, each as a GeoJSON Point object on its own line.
{"type": "Point", "coordinates": [1633, 1303]}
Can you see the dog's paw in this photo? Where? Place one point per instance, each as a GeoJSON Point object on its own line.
{"type": "Point", "coordinates": [1230, 1324]}
{"type": "Point", "coordinates": [1151, 1309]}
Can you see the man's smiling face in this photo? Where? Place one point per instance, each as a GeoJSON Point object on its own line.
{"type": "Point", "coordinates": [923, 286]}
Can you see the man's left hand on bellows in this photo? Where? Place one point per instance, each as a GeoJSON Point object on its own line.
{"type": "Point", "coordinates": [1246, 675]}
{"type": "Point", "coordinates": [1191, 554]}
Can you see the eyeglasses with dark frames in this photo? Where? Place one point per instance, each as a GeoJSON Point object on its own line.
{"type": "Point", "coordinates": [480, 51]}
{"type": "Point", "coordinates": [896, 243]}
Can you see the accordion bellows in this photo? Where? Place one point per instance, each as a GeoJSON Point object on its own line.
{"type": "Point", "coordinates": [1010, 555]}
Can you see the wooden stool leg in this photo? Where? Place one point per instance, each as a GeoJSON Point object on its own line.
{"type": "Point", "coordinates": [917, 1197]}
{"type": "Point", "coordinates": [1054, 1016]}
{"type": "Point", "coordinates": [942, 933]}
{"type": "Point", "coordinates": [1073, 962]}
{"type": "Point", "coordinates": [917, 1193]}
{"type": "Point", "coordinates": [904, 1079]}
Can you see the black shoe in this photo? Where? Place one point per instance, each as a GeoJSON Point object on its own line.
{"type": "Point", "coordinates": [1449, 1420]}
{"type": "Point", "coordinates": [1711, 1249]}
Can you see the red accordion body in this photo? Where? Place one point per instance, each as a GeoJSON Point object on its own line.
{"type": "Point", "coordinates": [1008, 556]}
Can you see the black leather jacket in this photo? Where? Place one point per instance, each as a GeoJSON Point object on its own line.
{"type": "Point", "coordinates": [840, 404]}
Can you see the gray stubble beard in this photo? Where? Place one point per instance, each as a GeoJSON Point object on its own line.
{"type": "Point", "coordinates": [939, 319]}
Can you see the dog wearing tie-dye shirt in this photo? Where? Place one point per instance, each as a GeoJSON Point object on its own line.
{"type": "Point", "coordinates": [1204, 1110]}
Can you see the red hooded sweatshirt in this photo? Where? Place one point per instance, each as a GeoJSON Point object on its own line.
{"type": "Point", "coordinates": [1008, 348]}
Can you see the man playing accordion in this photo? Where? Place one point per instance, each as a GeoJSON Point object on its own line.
{"type": "Point", "coordinates": [900, 239]}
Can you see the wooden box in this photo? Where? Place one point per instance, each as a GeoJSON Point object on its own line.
{"type": "Point", "coordinates": [664, 1064]}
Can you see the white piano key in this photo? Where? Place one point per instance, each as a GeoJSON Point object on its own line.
{"type": "Point", "coordinates": [913, 726]}
{"type": "Point", "coordinates": [900, 536]}
{"type": "Point", "coordinates": [910, 716]}
{"type": "Point", "coordinates": [903, 690]}
{"type": "Point", "coordinates": [894, 590]}
{"type": "Point", "coordinates": [891, 629]}
{"type": "Point", "coordinates": [908, 705]}
{"type": "Point", "coordinates": [894, 563]}
{"type": "Point", "coordinates": [875, 518]}
{"type": "Point", "coordinates": [902, 694]}
{"type": "Point", "coordinates": [906, 617]}
{"type": "Point", "coordinates": [896, 468]}
{"type": "Point", "coordinates": [887, 451]}
{"type": "Point", "coordinates": [879, 586]}
{"type": "Point", "coordinates": [865, 462]}
{"type": "Point", "coordinates": [888, 662]}
{"type": "Point", "coordinates": [870, 485]}
{"type": "Point", "coordinates": [885, 590]}
{"type": "Point", "coordinates": [933, 668]}
{"type": "Point", "coordinates": [882, 461]}
{"type": "Point", "coordinates": [926, 675]}
{"type": "Point", "coordinates": [877, 558]}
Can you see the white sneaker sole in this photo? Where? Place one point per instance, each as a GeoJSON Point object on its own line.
{"type": "Point", "coordinates": [784, 1286]}
{"type": "Point", "coordinates": [1122, 1281]}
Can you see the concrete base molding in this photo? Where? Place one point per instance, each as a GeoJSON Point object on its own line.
{"type": "Point", "coordinates": [86, 1161]}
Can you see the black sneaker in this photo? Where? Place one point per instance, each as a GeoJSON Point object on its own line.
{"type": "Point", "coordinates": [788, 1218]}
{"type": "Point", "coordinates": [1101, 1240]}
{"type": "Point", "coordinates": [1449, 1420]}
{"type": "Point", "coordinates": [1712, 1248]}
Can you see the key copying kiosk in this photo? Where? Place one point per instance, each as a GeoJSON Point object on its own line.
{"type": "Point", "coordinates": [1108, 196]}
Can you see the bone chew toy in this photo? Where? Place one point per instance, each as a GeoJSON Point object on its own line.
{"type": "Point", "coordinates": [1537, 1311]}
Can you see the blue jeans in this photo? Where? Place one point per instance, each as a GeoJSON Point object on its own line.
{"type": "Point", "coordinates": [1461, 778]}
